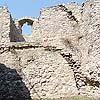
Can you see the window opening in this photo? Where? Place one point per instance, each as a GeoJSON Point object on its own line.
{"type": "Point", "coordinates": [26, 28]}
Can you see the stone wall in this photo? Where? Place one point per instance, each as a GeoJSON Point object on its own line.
{"type": "Point", "coordinates": [15, 34]}
{"type": "Point", "coordinates": [4, 25]}
{"type": "Point", "coordinates": [8, 30]}
{"type": "Point", "coordinates": [44, 71]}
{"type": "Point", "coordinates": [90, 46]}
{"type": "Point", "coordinates": [62, 23]}
{"type": "Point", "coordinates": [61, 57]}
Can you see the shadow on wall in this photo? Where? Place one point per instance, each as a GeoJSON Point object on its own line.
{"type": "Point", "coordinates": [15, 34]}
{"type": "Point", "coordinates": [11, 85]}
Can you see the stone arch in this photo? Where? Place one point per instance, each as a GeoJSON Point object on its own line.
{"type": "Point", "coordinates": [23, 20]}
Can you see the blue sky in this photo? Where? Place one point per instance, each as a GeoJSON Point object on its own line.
{"type": "Point", "coordinates": [21, 8]}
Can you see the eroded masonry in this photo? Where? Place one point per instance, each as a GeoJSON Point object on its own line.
{"type": "Point", "coordinates": [61, 57]}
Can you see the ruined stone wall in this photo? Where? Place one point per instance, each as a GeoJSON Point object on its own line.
{"type": "Point", "coordinates": [9, 32]}
{"type": "Point", "coordinates": [90, 45]}
{"type": "Point", "coordinates": [61, 57]}
{"type": "Point", "coordinates": [33, 22]}
{"type": "Point", "coordinates": [15, 34]}
{"type": "Point", "coordinates": [62, 23]}
{"type": "Point", "coordinates": [4, 25]}
{"type": "Point", "coordinates": [44, 71]}
{"type": "Point", "coordinates": [58, 21]}
{"type": "Point", "coordinates": [92, 29]}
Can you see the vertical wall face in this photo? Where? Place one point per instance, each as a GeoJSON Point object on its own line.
{"type": "Point", "coordinates": [36, 32]}
{"type": "Point", "coordinates": [50, 71]}
{"type": "Point", "coordinates": [33, 22]}
{"type": "Point", "coordinates": [4, 25]}
{"type": "Point", "coordinates": [15, 34]}
{"type": "Point", "coordinates": [91, 28]}
{"type": "Point", "coordinates": [90, 46]}
{"type": "Point", "coordinates": [8, 30]}
{"type": "Point", "coordinates": [56, 23]}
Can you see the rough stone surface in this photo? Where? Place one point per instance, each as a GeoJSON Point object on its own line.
{"type": "Point", "coordinates": [11, 85]}
{"type": "Point", "coordinates": [61, 58]}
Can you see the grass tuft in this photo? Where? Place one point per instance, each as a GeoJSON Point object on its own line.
{"type": "Point", "coordinates": [70, 98]}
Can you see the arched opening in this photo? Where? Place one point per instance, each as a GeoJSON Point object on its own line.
{"type": "Point", "coordinates": [25, 25]}
{"type": "Point", "coordinates": [26, 29]}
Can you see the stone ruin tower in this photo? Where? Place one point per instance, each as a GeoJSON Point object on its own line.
{"type": "Point", "coordinates": [61, 58]}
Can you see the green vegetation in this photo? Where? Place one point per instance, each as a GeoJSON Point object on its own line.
{"type": "Point", "coordinates": [71, 98]}
{"type": "Point", "coordinates": [78, 98]}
